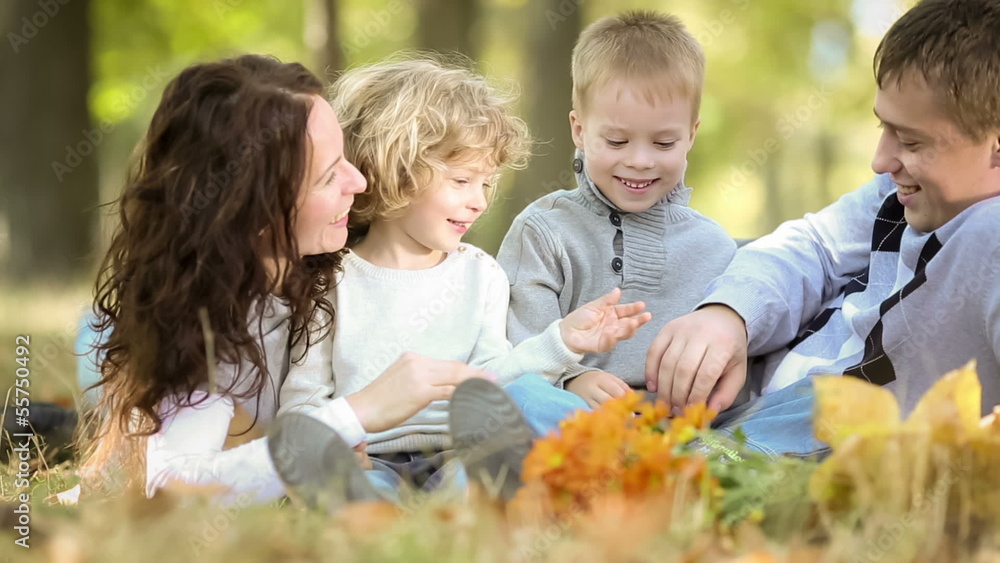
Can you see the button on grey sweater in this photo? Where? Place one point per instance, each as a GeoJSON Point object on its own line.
{"type": "Point", "coordinates": [573, 246]}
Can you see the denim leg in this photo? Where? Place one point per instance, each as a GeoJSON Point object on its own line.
{"type": "Point", "coordinates": [450, 480]}
{"type": "Point", "coordinates": [385, 479]}
{"type": "Point", "coordinates": [780, 423]}
{"type": "Point", "coordinates": [543, 404]}
{"type": "Point", "coordinates": [88, 360]}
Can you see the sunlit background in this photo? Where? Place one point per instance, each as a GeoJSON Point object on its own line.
{"type": "Point", "coordinates": [787, 123]}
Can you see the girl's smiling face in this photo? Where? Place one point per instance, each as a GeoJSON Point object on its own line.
{"type": "Point", "coordinates": [437, 220]}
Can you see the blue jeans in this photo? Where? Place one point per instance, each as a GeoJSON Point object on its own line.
{"type": "Point", "coordinates": [88, 359]}
{"type": "Point", "coordinates": [542, 403]}
{"type": "Point", "coordinates": [438, 472]}
{"type": "Point", "coordinates": [780, 423]}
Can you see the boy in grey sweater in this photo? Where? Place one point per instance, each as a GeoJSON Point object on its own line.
{"type": "Point", "coordinates": [637, 83]}
{"type": "Point", "coordinates": [894, 283]}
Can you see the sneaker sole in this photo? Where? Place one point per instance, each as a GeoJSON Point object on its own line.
{"type": "Point", "coordinates": [490, 435]}
{"type": "Point", "coordinates": [317, 467]}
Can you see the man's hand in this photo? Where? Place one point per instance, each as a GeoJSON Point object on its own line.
{"type": "Point", "coordinates": [695, 354]}
{"type": "Point", "coordinates": [598, 326]}
{"type": "Point", "coordinates": [595, 387]}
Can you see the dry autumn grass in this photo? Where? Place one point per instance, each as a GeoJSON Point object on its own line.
{"type": "Point", "coordinates": [924, 489]}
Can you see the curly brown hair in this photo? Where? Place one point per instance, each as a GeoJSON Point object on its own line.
{"type": "Point", "coordinates": [213, 191]}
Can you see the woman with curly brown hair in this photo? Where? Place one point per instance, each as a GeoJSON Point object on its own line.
{"type": "Point", "coordinates": [231, 229]}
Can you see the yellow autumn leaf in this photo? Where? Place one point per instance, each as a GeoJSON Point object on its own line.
{"type": "Point", "coordinates": [943, 451]}
{"type": "Point", "coordinates": [846, 406]}
{"type": "Point", "coordinates": [951, 408]}
{"type": "Point", "coordinates": [991, 422]}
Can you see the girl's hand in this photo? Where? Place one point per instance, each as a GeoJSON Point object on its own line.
{"type": "Point", "coordinates": [598, 326]}
{"type": "Point", "coordinates": [595, 387]}
{"type": "Point", "coordinates": [362, 456]}
{"type": "Point", "coordinates": [409, 385]}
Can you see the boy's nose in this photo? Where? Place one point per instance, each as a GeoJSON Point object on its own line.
{"type": "Point", "coordinates": [640, 159]}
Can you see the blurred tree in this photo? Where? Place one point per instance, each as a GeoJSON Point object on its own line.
{"type": "Point", "coordinates": [552, 27]}
{"type": "Point", "coordinates": [139, 46]}
{"type": "Point", "coordinates": [323, 36]}
{"type": "Point", "coordinates": [449, 26]}
{"type": "Point", "coordinates": [46, 143]}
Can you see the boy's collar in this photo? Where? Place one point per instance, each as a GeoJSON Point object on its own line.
{"type": "Point", "coordinates": [680, 195]}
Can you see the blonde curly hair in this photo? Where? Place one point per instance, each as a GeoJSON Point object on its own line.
{"type": "Point", "coordinates": [406, 117]}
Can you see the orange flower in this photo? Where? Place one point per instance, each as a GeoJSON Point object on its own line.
{"type": "Point", "coordinates": [625, 449]}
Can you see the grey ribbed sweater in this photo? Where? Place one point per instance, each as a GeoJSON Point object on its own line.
{"type": "Point", "coordinates": [570, 247]}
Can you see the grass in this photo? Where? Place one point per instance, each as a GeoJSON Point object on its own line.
{"type": "Point", "coordinates": [49, 316]}
{"type": "Point", "coordinates": [776, 521]}
{"type": "Point", "coordinates": [186, 528]}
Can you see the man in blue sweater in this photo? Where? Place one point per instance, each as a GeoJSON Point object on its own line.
{"type": "Point", "coordinates": [894, 283]}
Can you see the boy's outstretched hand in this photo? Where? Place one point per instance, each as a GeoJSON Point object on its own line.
{"type": "Point", "coordinates": [597, 386]}
{"type": "Point", "coordinates": [598, 326]}
{"type": "Point", "coordinates": [701, 353]}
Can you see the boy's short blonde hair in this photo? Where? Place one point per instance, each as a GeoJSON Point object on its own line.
{"type": "Point", "coordinates": [406, 117]}
{"type": "Point", "coordinates": [639, 46]}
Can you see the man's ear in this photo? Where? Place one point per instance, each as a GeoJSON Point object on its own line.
{"type": "Point", "coordinates": [576, 128]}
{"type": "Point", "coordinates": [995, 155]}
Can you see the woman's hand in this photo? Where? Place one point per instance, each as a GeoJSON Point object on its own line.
{"type": "Point", "coordinates": [595, 387]}
{"type": "Point", "coordinates": [598, 326]}
{"type": "Point", "coordinates": [406, 387]}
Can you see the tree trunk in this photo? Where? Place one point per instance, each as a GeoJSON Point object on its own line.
{"type": "Point", "coordinates": [553, 26]}
{"type": "Point", "coordinates": [48, 168]}
{"type": "Point", "coordinates": [447, 26]}
{"type": "Point", "coordinates": [328, 54]}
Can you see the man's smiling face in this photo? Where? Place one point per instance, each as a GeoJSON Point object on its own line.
{"type": "Point", "coordinates": [939, 170]}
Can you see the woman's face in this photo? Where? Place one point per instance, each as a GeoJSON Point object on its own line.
{"type": "Point", "coordinates": [331, 181]}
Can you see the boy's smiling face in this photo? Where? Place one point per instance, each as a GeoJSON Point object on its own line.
{"type": "Point", "coordinates": [939, 171]}
{"type": "Point", "coordinates": [636, 148]}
